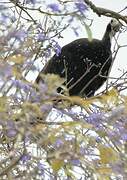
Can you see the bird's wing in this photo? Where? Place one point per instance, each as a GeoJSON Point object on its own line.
{"type": "Point", "coordinates": [72, 60]}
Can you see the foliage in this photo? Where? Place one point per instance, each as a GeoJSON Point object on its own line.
{"type": "Point", "coordinates": [44, 135]}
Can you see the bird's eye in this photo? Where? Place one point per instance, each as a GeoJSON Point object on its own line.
{"type": "Point", "coordinates": [112, 20]}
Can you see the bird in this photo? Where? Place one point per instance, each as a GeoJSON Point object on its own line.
{"type": "Point", "coordinates": [84, 64]}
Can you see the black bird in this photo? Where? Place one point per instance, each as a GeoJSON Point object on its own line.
{"type": "Point", "coordinates": [84, 64]}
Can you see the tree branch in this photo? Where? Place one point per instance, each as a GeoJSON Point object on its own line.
{"type": "Point", "coordinates": [105, 12]}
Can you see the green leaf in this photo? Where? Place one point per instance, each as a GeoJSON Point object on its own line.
{"type": "Point", "coordinates": [18, 59]}
{"type": "Point", "coordinates": [3, 104]}
{"type": "Point", "coordinates": [88, 31]}
{"type": "Point", "coordinates": [57, 164]}
{"type": "Point", "coordinates": [107, 154]}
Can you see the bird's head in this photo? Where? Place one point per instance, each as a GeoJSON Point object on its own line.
{"type": "Point", "coordinates": [113, 27]}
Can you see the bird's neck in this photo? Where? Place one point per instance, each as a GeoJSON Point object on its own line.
{"type": "Point", "coordinates": [107, 38]}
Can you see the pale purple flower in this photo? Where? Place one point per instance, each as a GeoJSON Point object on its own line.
{"type": "Point", "coordinates": [120, 130]}
{"type": "Point", "coordinates": [46, 107]}
{"type": "Point", "coordinates": [19, 34]}
{"type": "Point", "coordinates": [56, 47]}
{"type": "Point", "coordinates": [58, 143]}
{"type": "Point", "coordinates": [10, 124]}
{"type": "Point", "coordinates": [98, 139]}
{"type": "Point", "coordinates": [119, 126]}
{"type": "Point", "coordinates": [54, 7]}
{"type": "Point", "coordinates": [124, 136]}
{"type": "Point", "coordinates": [4, 18]}
{"type": "Point", "coordinates": [75, 162]}
{"type": "Point", "coordinates": [11, 133]}
{"type": "Point", "coordinates": [43, 87]}
{"type": "Point", "coordinates": [25, 87]}
{"type": "Point", "coordinates": [41, 34]}
{"type": "Point", "coordinates": [5, 70]}
{"type": "Point", "coordinates": [41, 37]}
{"type": "Point", "coordinates": [29, 64]}
{"type": "Point", "coordinates": [112, 134]}
{"type": "Point", "coordinates": [82, 150]}
{"type": "Point", "coordinates": [25, 158]}
{"type": "Point", "coordinates": [81, 6]}
{"type": "Point", "coordinates": [41, 167]}
{"type": "Point", "coordinates": [31, 1]}
{"type": "Point", "coordinates": [16, 83]}
{"type": "Point", "coordinates": [47, 53]}
{"type": "Point", "coordinates": [27, 137]}
{"type": "Point", "coordinates": [118, 168]}
{"type": "Point", "coordinates": [19, 84]}
{"type": "Point", "coordinates": [71, 19]}
{"type": "Point", "coordinates": [34, 97]}
{"type": "Point", "coordinates": [58, 50]}
{"type": "Point", "coordinates": [96, 119]}
{"type": "Point", "coordinates": [11, 129]}
{"type": "Point", "coordinates": [75, 29]}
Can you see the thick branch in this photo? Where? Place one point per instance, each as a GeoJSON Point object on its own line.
{"type": "Point", "coordinates": [105, 12]}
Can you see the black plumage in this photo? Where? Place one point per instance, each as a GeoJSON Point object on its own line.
{"type": "Point", "coordinates": [84, 64]}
